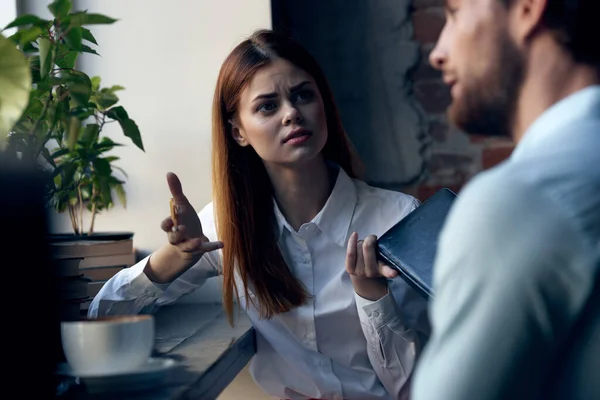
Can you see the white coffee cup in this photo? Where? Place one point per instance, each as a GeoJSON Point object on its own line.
{"type": "Point", "coordinates": [108, 345]}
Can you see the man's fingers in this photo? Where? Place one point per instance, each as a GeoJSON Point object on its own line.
{"type": "Point", "coordinates": [370, 257]}
{"type": "Point", "coordinates": [351, 253]}
{"type": "Point", "coordinates": [175, 188]}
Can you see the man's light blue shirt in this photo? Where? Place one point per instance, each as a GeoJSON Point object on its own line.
{"type": "Point", "coordinates": [517, 262]}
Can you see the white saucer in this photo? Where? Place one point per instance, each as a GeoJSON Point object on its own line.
{"type": "Point", "coordinates": [145, 376]}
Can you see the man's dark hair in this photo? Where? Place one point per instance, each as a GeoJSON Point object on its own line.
{"type": "Point", "coordinates": [576, 26]}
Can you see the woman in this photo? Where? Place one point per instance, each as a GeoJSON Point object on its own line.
{"type": "Point", "coordinates": [286, 206]}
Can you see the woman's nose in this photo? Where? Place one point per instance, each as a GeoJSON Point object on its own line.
{"type": "Point", "coordinates": [292, 115]}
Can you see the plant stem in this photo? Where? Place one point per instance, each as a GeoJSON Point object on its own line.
{"type": "Point", "coordinates": [80, 209]}
{"type": "Point", "coordinates": [94, 209]}
{"type": "Point", "coordinates": [73, 218]}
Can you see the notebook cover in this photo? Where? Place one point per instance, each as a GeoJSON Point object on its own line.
{"type": "Point", "coordinates": [411, 244]}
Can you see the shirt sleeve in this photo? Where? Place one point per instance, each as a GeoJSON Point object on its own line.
{"type": "Point", "coordinates": [393, 343]}
{"type": "Point", "coordinates": [509, 278]}
{"type": "Point", "coordinates": [131, 292]}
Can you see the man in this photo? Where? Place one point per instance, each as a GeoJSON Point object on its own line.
{"type": "Point", "coordinates": [516, 313]}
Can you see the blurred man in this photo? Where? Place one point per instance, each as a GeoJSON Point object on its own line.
{"type": "Point", "coordinates": [31, 327]}
{"type": "Point", "coordinates": [516, 313]}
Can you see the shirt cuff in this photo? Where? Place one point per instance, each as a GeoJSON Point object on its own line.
{"type": "Point", "coordinates": [377, 313]}
{"type": "Point", "coordinates": [139, 283]}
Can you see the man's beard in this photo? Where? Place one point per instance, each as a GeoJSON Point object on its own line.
{"type": "Point", "coordinates": [488, 105]}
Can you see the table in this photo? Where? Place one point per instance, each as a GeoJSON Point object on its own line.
{"type": "Point", "coordinates": [210, 353]}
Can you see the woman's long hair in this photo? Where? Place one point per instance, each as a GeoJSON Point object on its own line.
{"type": "Point", "coordinates": [242, 191]}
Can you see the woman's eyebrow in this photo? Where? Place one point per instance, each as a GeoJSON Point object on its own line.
{"type": "Point", "coordinates": [272, 95]}
{"type": "Point", "coordinates": [299, 86]}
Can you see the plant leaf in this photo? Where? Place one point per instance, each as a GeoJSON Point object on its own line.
{"type": "Point", "coordinates": [96, 80]}
{"type": "Point", "coordinates": [30, 48]}
{"type": "Point", "coordinates": [88, 49]}
{"type": "Point", "coordinates": [80, 86]}
{"type": "Point", "coordinates": [65, 58]}
{"type": "Point", "coordinates": [60, 8]}
{"type": "Point", "coordinates": [15, 85]}
{"type": "Point", "coordinates": [117, 113]}
{"type": "Point", "coordinates": [34, 109]}
{"type": "Point", "coordinates": [129, 127]}
{"type": "Point", "coordinates": [16, 37]}
{"type": "Point", "coordinates": [81, 112]}
{"type": "Point", "coordinates": [114, 88]}
{"type": "Point", "coordinates": [74, 131]}
{"type": "Point", "coordinates": [63, 24]}
{"type": "Point", "coordinates": [26, 19]}
{"type": "Point", "coordinates": [61, 112]}
{"type": "Point", "coordinates": [73, 38]}
{"type": "Point", "coordinates": [122, 170]}
{"type": "Point", "coordinates": [46, 49]}
{"type": "Point", "coordinates": [105, 144]}
{"type": "Point", "coordinates": [102, 167]}
{"type": "Point", "coordinates": [87, 35]}
{"type": "Point", "coordinates": [35, 68]}
{"type": "Point", "coordinates": [104, 99]}
{"type": "Point", "coordinates": [84, 18]}
{"type": "Point", "coordinates": [131, 130]}
{"type": "Point", "coordinates": [28, 35]}
{"type": "Point", "coordinates": [120, 190]}
{"type": "Point", "coordinates": [90, 135]}
{"type": "Point", "coordinates": [68, 173]}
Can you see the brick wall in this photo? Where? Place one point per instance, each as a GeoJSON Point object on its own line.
{"type": "Point", "coordinates": [453, 157]}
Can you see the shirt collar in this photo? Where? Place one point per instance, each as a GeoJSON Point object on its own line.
{"type": "Point", "coordinates": [335, 217]}
{"type": "Point", "coordinates": [583, 104]}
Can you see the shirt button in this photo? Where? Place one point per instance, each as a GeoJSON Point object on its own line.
{"type": "Point", "coordinates": [375, 314]}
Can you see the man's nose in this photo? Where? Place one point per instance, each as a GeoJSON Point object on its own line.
{"type": "Point", "coordinates": [437, 57]}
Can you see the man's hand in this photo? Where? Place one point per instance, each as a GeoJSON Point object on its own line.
{"type": "Point", "coordinates": [369, 275]}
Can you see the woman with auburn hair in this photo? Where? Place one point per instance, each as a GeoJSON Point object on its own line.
{"type": "Point", "coordinates": [288, 207]}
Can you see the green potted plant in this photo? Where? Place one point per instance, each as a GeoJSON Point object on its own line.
{"type": "Point", "coordinates": [61, 127]}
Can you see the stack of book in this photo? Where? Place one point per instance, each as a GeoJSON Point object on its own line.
{"type": "Point", "coordinates": [83, 267]}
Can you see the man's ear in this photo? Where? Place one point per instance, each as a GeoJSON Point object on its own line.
{"type": "Point", "coordinates": [527, 17]}
{"type": "Point", "coordinates": [238, 134]}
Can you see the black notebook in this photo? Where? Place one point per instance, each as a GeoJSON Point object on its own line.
{"type": "Point", "coordinates": [411, 244]}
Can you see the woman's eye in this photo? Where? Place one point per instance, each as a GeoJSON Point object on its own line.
{"type": "Point", "coordinates": [303, 95]}
{"type": "Point", "coordinates": [267, 107]}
